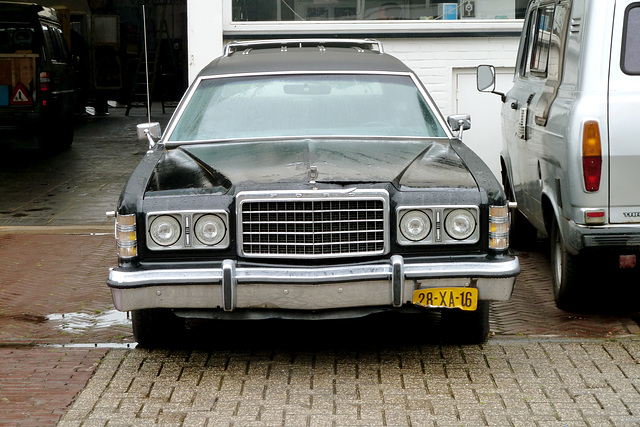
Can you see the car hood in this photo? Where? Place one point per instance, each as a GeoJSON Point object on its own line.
{"type": "Point", "coordinates": [413, 164]}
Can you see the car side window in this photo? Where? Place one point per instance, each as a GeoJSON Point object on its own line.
{"type": "Point", "coordinates": [630, 58]}
{"type": "Point", "coordinates": [541, 40]}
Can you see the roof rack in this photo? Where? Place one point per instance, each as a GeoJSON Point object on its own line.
{"type": "Point", "coordinates": [246, 46]}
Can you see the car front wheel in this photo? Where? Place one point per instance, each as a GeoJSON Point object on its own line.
{"type": "Point", "coordinates": [155, 327]}
{"type": "Point", "coordinates": [465, 327]}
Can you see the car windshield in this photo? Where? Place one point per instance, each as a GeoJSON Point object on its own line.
{"type": "Point", "coordinates": [306, 105]}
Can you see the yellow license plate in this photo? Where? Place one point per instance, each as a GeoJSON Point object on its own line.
{"type": "Point", "coordinates": [462, 298]}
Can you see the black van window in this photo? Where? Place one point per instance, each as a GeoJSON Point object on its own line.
{"type": "Point", "coordinates": [631, 41]}
{"type": "Point", "coordinates": [56, 39]}
{"type": "Point", "coordinates": [48, 43]}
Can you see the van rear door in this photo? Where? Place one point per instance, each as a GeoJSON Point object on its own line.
{"type": "Point", "coordinates": [624, 110]}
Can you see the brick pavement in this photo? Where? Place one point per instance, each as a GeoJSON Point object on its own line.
{"type": "Point", "coordinates": [38, 384]}
{"type": "Point", "coordinates": [65, 274]}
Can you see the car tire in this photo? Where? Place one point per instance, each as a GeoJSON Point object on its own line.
{"type": "Point", "coordinates": [56, 137]}
{"type": "Point", "coordinates": [64, 139]}
{"type": "Point", "coordinates": [566, 272]}
{"type": "Point", "coordinates": [465, 327]}
{"type": "Point", "coordinates": [155, 327]}
{"type": "Point", "coordinates": [522, 234]}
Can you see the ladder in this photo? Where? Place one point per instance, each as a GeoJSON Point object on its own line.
{"type": "Point", "coordinates": [138, 95]}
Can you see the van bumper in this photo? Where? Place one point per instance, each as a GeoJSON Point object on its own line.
{"type": "Point", "coordinates": [612, 236]}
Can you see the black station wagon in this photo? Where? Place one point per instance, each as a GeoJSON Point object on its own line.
{"type": "Point", "coordinates": [310, 179]}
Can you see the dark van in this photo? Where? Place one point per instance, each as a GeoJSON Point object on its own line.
{"type": "Point", "coordinates": [36, 77]}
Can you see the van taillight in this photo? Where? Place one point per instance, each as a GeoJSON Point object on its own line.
{"type": "Point", "coordinates": [45, 81]}
{"type": "Point", "coordinates": [591, 156]}
{"type": "Point", "coordinates": [45, 87]}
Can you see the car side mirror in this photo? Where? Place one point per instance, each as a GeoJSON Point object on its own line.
{"type": "Point", "coordinates": [486, 80]}
{"type": "Point", "coordinates": [459, 123]}
{"type": "Point", "coordinates": [149, 131]}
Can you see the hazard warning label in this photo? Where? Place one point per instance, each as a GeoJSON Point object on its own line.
{"type": "Point", "coordinates": [20, 96]}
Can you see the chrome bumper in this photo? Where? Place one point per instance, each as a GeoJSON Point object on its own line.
{"type": "Point", "coordinates": [306, 288]}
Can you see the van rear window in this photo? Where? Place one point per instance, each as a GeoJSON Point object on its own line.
{"type": "Point", "coordinates": [631, 40]}
{"type": "Point", "coordinates": [17, 38]}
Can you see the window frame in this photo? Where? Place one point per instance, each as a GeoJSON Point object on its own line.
{"type": "Point", "coordinates": [370, 28]}
{"type": "Point", "coordinates": [182, 108]}
{"type": "Point", "coordinates": [537, 47]}
{"type": "Point", "coordinates": [625, 38]}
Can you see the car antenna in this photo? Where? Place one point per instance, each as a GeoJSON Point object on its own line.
{"type": "Point", "coordinates": [146, 61]}
{"type": "Point", "coordinates": [146, 129]}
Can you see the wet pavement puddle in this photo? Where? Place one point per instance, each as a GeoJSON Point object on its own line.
{"type": "Point", "coordinates": [77, 323]}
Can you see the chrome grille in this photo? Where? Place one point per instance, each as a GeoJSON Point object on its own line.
{"type": "Point", "coordinates": [351, 225]}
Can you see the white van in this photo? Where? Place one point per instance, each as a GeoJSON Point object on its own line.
{"type": "Point", "coordinates": [571, 152]}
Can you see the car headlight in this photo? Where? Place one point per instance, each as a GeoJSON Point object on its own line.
{"type": "Point", "coordinates": [210, 229]}
{"type": "Point", "coordinates": [165, 230]}
{"type": "Point", "coordinates": [415, 225]}
{"type": "Point", "coordinates": [460, 224]}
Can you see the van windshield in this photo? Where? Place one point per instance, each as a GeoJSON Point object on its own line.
{"type": "Point", "coordinates": [306, 105]}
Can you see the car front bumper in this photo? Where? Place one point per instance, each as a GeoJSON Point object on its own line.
{"type": "Point", "coordinates": [230, 286]}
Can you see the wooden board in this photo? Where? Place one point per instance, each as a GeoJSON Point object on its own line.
{"type": "Point", "coordinates": [17, 68]}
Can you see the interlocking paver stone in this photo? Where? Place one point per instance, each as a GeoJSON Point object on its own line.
{"type": "Point", "coordinates": [489, 396]}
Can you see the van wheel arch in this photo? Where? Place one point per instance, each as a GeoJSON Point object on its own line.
{"type": "Point", "coordinates": [505, 176]}
{"type": "Point", "coordinates": [522, 234]}
{"type": "Point", "coordinates": [548, 214]}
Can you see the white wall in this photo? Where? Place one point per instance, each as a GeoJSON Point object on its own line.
{"type": "Point", "coordinates": [485, 136]}
{"type": "Point", "coordinates": [435, 59]}
{"type": "Point", "coordinates": [204, 33]}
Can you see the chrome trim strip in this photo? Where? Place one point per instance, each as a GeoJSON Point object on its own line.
{"type": "Point", "coordinates": [397, 279]}
{"type": "Point", "coordinates": [62, 92]}
{"type": "Point", "coordinates": [229, 285]}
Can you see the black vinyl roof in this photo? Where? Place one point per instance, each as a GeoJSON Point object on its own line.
{"type": "Point", "coordinates": [294, 57]}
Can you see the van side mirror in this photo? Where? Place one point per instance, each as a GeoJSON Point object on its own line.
{"type": "Point", "coordinates": [486, 80]}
